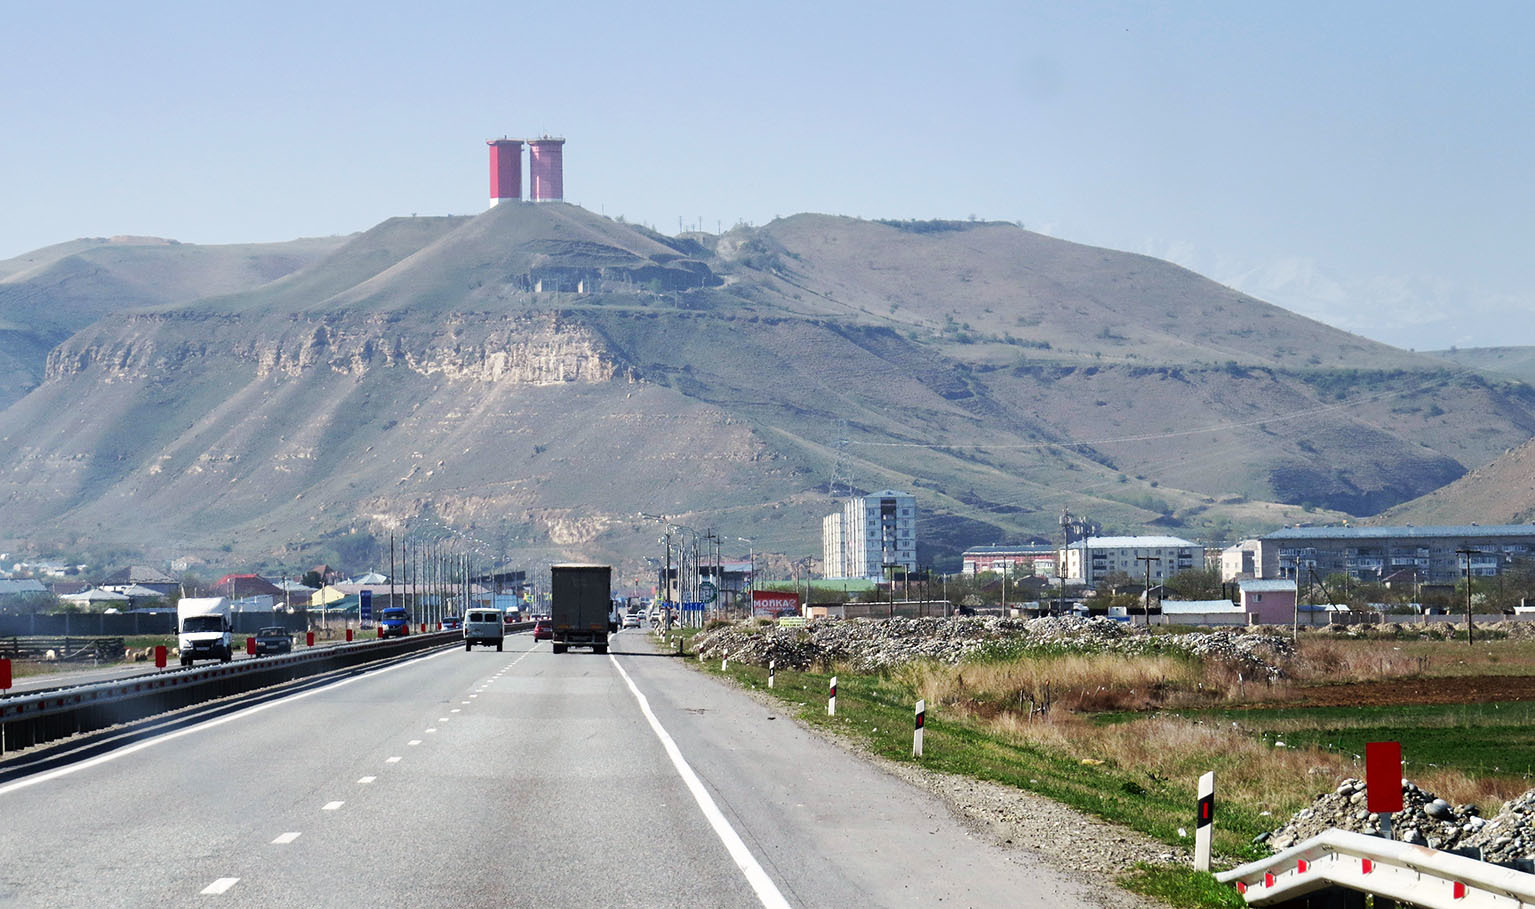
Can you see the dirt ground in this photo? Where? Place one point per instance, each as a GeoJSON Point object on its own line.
{"type": "Point", "coordinates": [1473, 689]}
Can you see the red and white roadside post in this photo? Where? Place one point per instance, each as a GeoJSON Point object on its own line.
{"type": "Point", "coordinates": [772, 664]}
{"type": "Point", "coordinates": [916, 734]}
{"type": "Point", "coordinates": [1204, 822]}
{"type": "Point", "coordinates": [831, 701]}
{"type": "Point", "coordinates": [5, 674]}
{"type": "Point", "coordinates": [724, 664]}
{"type": "Point", "coordinates": [159, 656]}
{"type": "Point", "coordinates": [1383, 781]}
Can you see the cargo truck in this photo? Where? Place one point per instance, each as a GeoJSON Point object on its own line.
{"type": "Point", "coordinates": [581, 606]}
{"type": "Point", "coordinates": [204, 629]}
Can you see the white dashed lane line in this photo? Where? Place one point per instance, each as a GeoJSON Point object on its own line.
{"type": "Point", "coordinates": [332, 806]}
{"type": "Point", "coordinates": [367, 779]}
{"type": "Point", "coordinates": [393, 759]}
{"type": "Point", "coordinates": [285, 839]}
{"type": "Point", "coordinates": [220, 886]}
{"type": "Point", "coordinates": [414, 742]}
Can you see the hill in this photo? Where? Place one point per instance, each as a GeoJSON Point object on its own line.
{"type": "Point", "coordinates": [537, 376]}
{"type": "Point", "coordinates": [49, 294]}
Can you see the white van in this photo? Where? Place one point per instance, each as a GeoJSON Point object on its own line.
{"type": "Point", "coordinates": [483, 626]}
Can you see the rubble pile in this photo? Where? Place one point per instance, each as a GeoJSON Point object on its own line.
{"type": "Point", "coordinates": [869, 645]}
{"type": "Point", "coordinates": [1424, 819]}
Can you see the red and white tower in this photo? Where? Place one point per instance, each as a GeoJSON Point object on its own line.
{"type": "Point", "coordinates": [505, 170]}
{"type": "Point", "coordinates": [546, 169]}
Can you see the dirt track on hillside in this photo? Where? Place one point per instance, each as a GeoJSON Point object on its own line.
{"type": "Point", "coordinates": [1474, 689]}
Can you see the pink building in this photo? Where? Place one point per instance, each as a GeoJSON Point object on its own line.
{"type": "Point", "coordinates": [1268, 602]}
{"type": "Point", "coordinates": [546, 169]}
{"type": "Point", "coordinates": [505, 170]}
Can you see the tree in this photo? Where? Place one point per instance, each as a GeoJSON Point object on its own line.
{"type": "Point", "coordinates": [1194, 584]}
{"type": "Point", "coordinates": [312, 579]}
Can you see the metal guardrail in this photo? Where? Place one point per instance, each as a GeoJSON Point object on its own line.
{"type": "Point", "coordinates": [1386, 868]}
{"type": "Point", "coordinates": [33, 719]}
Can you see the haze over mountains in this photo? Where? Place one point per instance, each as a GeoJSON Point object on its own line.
{"type": "Point", "coordinates": [537, 376]}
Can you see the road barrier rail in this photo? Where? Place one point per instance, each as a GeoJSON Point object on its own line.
{"type": "Point", "coordinates": [1341, 860]}
{"type": "Point", "coordinates": [33, 719]}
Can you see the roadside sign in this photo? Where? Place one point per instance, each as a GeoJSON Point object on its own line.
{"type": "Point", "coordinates": [708, 591]}
{"type": "Point", "coordinates": [365, 605]}
{"type": "Point", "coordinates": [693, 607]}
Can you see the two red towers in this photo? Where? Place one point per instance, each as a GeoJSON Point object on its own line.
{"type": "Point", "coordinates": [546, 169]}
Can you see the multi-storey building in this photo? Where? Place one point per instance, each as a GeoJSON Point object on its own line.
{"type": "Point", "coordinates": [871, 536]}
{"type": "Point", "coordinates": [1038, 560]}
{"type": "Point", "coordinates": [1089, 561]}
{"type": "Point", "coordinates": [1425, 554]}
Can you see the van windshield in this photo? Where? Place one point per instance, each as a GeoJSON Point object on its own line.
{"type": "Point", "coordinates": [203, 623]}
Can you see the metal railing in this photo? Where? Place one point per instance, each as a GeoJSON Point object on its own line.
{"type": "Point", "coordinates": [1385, 868]}
{"type": "Point", "coordinates": [33, 719]}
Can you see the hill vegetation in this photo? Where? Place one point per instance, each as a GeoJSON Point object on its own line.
{"type": "Point", "coordinates": [537, 376]}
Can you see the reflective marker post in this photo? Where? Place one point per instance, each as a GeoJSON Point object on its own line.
{"type": "Point", "coordinates": [5, 673]}
{"type": "Point", "coordinates": [1383, 781]}
{"type": "Point", "coordinates": [831, 702]}
{"type": "Point", "coordinates": [916, 735]}
{"type": "Point", "coordinates": [772, 664]}
{"type": "Point", "coordinates": [1203, 822]}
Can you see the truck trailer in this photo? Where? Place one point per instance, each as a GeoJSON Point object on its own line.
{"type": "Point", "coordinates": [581, 606]}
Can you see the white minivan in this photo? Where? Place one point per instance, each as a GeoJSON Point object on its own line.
{"type": "Point", "coordinates": [483, 626]}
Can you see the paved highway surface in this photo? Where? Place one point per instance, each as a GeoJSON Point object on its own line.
{"type": "Point", "coordinates": [487, 779]}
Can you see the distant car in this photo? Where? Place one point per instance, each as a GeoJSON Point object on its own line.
{"type": "Point", "coordinates": [632, 620]}
{"type": "Point", "coordinates": [483, 626]}
{"type": "Point", "coordinates": [273, 640]}
{"type": "Point", "coordinates": [452, 623]}
{"type": "Point", "coordinates": [543, 629]}
{"type": "Point", "coordinates": [393, 622]}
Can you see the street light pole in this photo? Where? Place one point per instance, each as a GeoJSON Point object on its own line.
{"type": "Point", "coordinates": [1468, 553]}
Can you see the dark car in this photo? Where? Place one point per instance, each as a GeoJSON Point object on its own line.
{"type": "Point", "coordinates": [273, 640]}
{"type": "Point", "coordinates": [393, 622]}
{"type": "Point", "coordinates": [543, 629]}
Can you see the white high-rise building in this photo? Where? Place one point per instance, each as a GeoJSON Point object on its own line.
{"type": "Point", "coordinates": [871, 535]}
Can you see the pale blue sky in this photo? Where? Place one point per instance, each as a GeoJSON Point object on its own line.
{"type": "Point", "coordinates": [1362, 163]}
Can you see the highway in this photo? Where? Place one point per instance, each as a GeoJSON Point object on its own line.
{"type": "Point", "coordinates": [486, 779]}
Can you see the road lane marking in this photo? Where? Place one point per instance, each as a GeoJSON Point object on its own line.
{"type": "Point", "coordinates": [394, 759]}
{"type": "Point", "coordinates": [456, 710]}
{"type": "Point", "coordinates": [200, 727]}
{"type": "Point", "coordinates": [414, 742]}
{"type": "Point", "coordinates": [285, 839]}
{"type": "Point", "coordinates": [432, 730]}
{"type": "Point", "coordinates": [220, 885]}
{"type": "Point", "coordinates": [367, 779]}
{"type": "Point", "coordinates": [332, 806]}
{"type": "Point", "coordinates": [766, 890]}
{"type": "Point", "coordinates": [442, 719]}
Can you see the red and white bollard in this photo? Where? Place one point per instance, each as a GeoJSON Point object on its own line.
{"type": "Point", "coordinates": [250, 646]}
{"type": "Point", "coordinates": [1204, 820]}
{"type": "Point", "coordinates": [772, 664]}
{"type": "Point", "coordinates": [349, 635]}
{"type": "Point", "coordinates": [831, 701]}
{"type": "Point", "coordinates": [916, 735]}
{"type": "Point", "coordinates": [159, 656]}
{"type": "Point", "coordinates": [5, 673]}
{"type": "Point", "coordinates": [309, 639]}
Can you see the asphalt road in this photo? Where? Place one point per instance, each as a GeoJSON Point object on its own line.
{"type": "Point", "coordinates": [487, 779]}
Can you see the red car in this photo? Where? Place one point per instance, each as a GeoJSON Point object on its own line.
{"type": "Point", "coordinates": [543, 629]}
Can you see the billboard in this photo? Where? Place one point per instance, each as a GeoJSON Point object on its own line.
{"type": "Point", "coordinates": [774, 603]}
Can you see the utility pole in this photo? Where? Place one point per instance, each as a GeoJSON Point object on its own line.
{"type": "Point", "coordinates": [1468, 553]}
{"type": "Point", "coordinates": [1146, 594]}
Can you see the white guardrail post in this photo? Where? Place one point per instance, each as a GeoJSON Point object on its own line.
{"type": "Point", "coordinates": [916, 735]}
{"type": "Point", "coordinates": [831, 700]}
{"type": "Point", "coordinates": [772, 665]}
{"type": "Point", "coordinates": [1369, 864]}
{"type": "Point", "coordinates": [1204, 822]}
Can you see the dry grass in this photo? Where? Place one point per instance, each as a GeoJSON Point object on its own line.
{"type": "Point", "coordinates": [1088, 683]}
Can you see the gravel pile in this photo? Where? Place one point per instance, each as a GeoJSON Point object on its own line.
{"type": "Point", "coordinates": [1424, 819]}
{"type": "Point", "coordinates": [873, 644]}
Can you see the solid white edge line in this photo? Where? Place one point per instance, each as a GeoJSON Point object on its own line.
{"type": "Point", "coordinates": [200, 727]}
{"type": "Point", "coordinates": [767, 892]}
{"type": "Point", "coordinates": [220, 886]}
